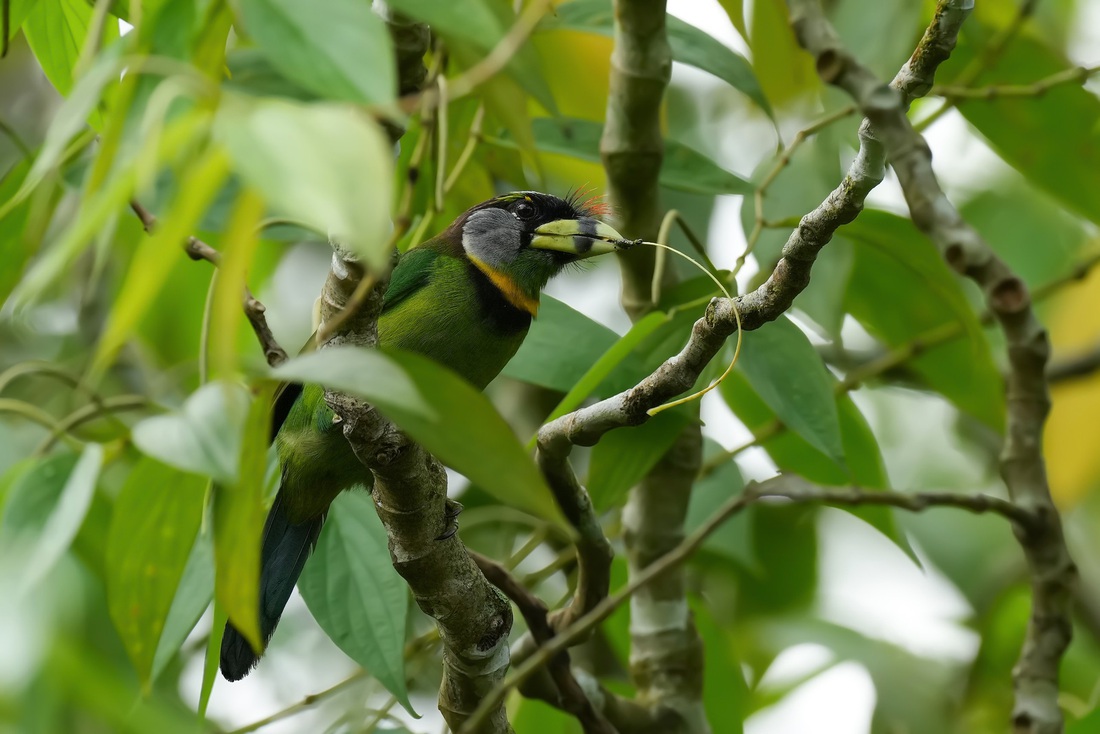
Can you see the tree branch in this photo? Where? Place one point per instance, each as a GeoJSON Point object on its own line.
{"type": "Point", "coordinates": [255, 311]}
{"type": "Point", "coordinates": [1053, 573]}
{"type": "Point", "coordinates": [571, 697]}
{"type": "Point", "coordinates": [785, 486]}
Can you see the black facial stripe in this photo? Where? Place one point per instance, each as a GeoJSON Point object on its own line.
{"type": "Point", "coordinates": [583, 242]}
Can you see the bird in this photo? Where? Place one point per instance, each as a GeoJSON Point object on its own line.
{"type": "Point", "coordinates": [464, 298]}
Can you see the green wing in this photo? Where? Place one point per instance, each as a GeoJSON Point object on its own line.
{"type": "Point", "coordinates": [412, 273]}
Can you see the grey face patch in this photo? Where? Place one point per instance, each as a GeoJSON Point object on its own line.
{"type": "Point", "coordinates": [493, 236]}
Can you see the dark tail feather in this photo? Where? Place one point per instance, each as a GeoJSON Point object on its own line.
{"type": "Point", "coordinates": [286, 546]}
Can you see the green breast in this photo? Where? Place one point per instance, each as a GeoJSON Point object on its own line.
{"type": "Point", "coordinates": [459, 319]}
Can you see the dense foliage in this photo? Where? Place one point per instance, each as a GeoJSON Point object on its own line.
{"type": "Point", "coordinates": [134, 402]}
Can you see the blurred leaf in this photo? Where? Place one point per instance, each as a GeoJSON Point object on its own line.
{"type": "Point", "coordinates": [1086, 725]}
{"type": "Point", "coordinates": [65, 519]}
{"type": "Point", "coordinates": [886, 37]}
{"type": "Point", "coordinates": [461, 428]}
{"type": "Point", "coordinates": [559, 349]}
{"type": "Point", "coordinates": [159, 254]}
{"type": "Point", "coordinates": [783, 70]}
{"type": "Point", "coordinates": [31, 499]}
{"type": "Point", "coordinates": [481, 24]}
{"type": "Point", "coordinates": [354, 593]}
{"type": "Point", "coordinates": [56, 30]}
{"type": "Point", "coordinates": [91, 688]}
{"type": "Point", "coordinates": [1021, 129]}
{"type": "Point", "coordinates": [311, 163]}
{"type": "Point", "coordinates": [791, 453]}
{"type": "Point", "coordinates": [337, 48]}
{"type": "Point", "coordinates": [897, 265]}
{"type": "Point", "coordinates": [725, 692]}
{"type": "Point", "coordinates": [736, 11]}
{"type": "Point", "coordinates": [801, 185]}
{"type": "Point", "coordinates": [70, 119]}
{"type": "Point", "coordinates": [624, 456]}
{"type": "Point", "coordinates": [532, 715]}
{"type": "Point", "coordinates": [192, 597]}
{"type": "Point", "coordinates": [914, 693]}
{"type": "Point", "coordinates": [101, 204]}
{"type": "Point", "coordinates": [683, 168]}
{"type": "Point", "coordinates": [15, 250]}
{"type": "Point", "coordinates": [213, 655]}
{"type": "Point", "coordinates": [690, 45]}
{"type": "Point", "coordinates": [239, 514]}
{"type": "Point", "coordinates": [1013, 216]}
{"type": "Point", "coordinates": [17, 12]}
{"type": "Point", "coordinates": [250, 71]}
{"type": "Point", "coordinates": [785, 547]}
{"type": "Point", "coordinates": [733, 539]}
{"type": "Point", "coordinates": [786, 372]}
{"type": "Point", "coordinates": [204, 437]}
{"type": "Point", "coordinates": [153, 528]}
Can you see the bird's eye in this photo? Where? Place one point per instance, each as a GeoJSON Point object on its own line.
{"type": "Point", "coordinates": [524, 210]}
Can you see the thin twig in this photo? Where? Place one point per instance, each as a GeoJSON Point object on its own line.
{"type": "Point", "coordinates": [789, 487]}
{"type": "Point", "coordinates": [1078, 75]}
{"type": "Point", "coordinates": [572, 697]}
{"type": "Point", "coordinates": [196, 249]}
{"type": "Point", "coordinates": [987, 60]}
{"type": "Point", "coordinates": [784, 160]}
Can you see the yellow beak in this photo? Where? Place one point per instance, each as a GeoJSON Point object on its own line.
{"type": "Point", "coordinates": [584, 237]}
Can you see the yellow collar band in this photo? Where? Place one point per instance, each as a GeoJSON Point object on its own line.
{"type": "Point", "coordinates": [508, 287]}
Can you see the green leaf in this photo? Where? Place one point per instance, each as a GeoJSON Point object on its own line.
{"type": "Point", "coordinates": [311, 162]}
{"type": "Point", "coordinates": [690, 45]}
{"type": "Point", "coordinates": [354, 593]}
{"type": "Point", "coordinates": [792, 453]}
{"type": "Point", "coordinates": [481, 24]}
{"type": "Point", "coordinates": [210, 661]}
{"type": "Point", "coordinates": [782, 67]}
{"type": "Point", "coordinates": [625, 455]}
{"type": "Point", "coordinates": [1086, 724]}
{"type": "Point", "coordinates": [683, 168]}
{"type": "Point", "coordinates": [239, 514]}
{"type": "Point", "coordinates": [192, 597]}
{"type": "Point", "coordinates": [735, 9]}
{"type": "Point", "coordinates": [1053, 140]}
{"type": "Point", "coordinates": [615, 355]}
{"type": "Point", "coordinates": [725, 692]}
{"type": "Point", "coordinates": [561, 346]}
{"type": "Point", "coordinates": [15, 248]}
{"type": "Point", "coordinates": [64, 521]}
{"type": "Point", "coordinates": [56, 31]}
{"type": "Point", "coordinates": [17, 12]}
{"type": "Point", "coordinates": [204, 437]}
{"type": "Point", "coordinates": [786, 372]}
{"type": "Point", "coordinates": [733, 539]}
{"type": "Point", "coordinates": [336, 48]}
{"type": "Point", "coordinates": [462, 429]}
{"type": "Point", "coordinates": [158, 254]}
{"type": "Point", "coordinates": [31, 499]}
{"type": "Point", "coordinates": [896, 265]}
{"type": "Point", "coordinates": [1013, 216]}
{"type": "Point", "coordinates": [156, 518]}
{"type": "Point", "coordinates": [70, 119]}
{"type": "Point", "coordinates": [533, 715]}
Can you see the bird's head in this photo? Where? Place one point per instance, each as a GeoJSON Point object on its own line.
{"type": "Point", "coordinates": [522, 239]}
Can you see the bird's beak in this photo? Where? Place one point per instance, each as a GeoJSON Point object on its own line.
{"type": "Point", "coordinates": [583, 237]}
